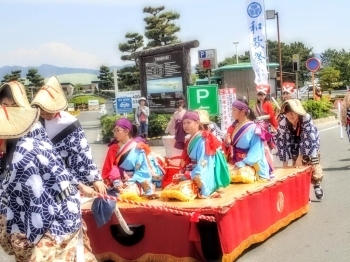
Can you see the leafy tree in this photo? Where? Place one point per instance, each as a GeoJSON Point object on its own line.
{"type": "Point", "coordinates": [128, 78]}
{"type": "Point", "coordinates": [194, 77]}
{"type": "Point", "coordinates": [35, 79]}
{"type": "Point", "coordinates": [339, 60]}
{"type": "Point", "coordinates": [200, 73]}
{"type": "Point", "coordinates": [160, 26]}
{"type": "Point", "coordinates": [233, 60]}
{"type": "Point", "coordinates": [14, 76]}
{"type": "Point", "coordinates": [134, 41]}
{"type": "Point", "coordinates": [329, 78]}
{"type": "Point", "coordinates": [287, 51]}
{"type": "Point", "coordinates": [106, 78]}
{"type": "Point", "coordinates": [78, 88]}
{"type": "Point", "coordinates": [328, 57]}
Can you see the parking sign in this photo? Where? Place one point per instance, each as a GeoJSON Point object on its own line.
{"type": "Point", "coordinates": [124, 105]}
{"type": "Point", "coordinates": [207, 59]}
{"type": "Point", "coordinates": [203, 97]}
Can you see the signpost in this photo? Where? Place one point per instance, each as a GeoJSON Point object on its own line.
{"type": "Point", "coordinates": [124, 105]}
{"type": "Point", "coordinates": [134, 94]}
{"type": "Point", "coordinates": [164, 80]}
{"type": "Point", "coordinates": [203, 97]}
{"type": "Point", "coordinates": [296, 69]}
{"type": "Point", "coordinates": [93, 104]}
{"type": "Point", "coordinates": [207, 61]}
{"type": "Point", "coordinates": [313, 64]}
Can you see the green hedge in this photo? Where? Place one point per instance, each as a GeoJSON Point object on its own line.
{"type": "Point", "coordinates": [82, 100]}
{"type": "Point", "coordinates": [318, 109]}
{"type": "Point", "coordinates": [157, 124]}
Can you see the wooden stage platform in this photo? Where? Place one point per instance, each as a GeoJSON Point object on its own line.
{"type": "Point", "coordinates": [245, 214]}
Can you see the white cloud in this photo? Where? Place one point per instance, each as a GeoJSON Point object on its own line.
{"type": "Point", "coordinates": [57, 54]}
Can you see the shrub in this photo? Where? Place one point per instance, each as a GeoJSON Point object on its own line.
{"type": "Point", "coordinates": [82, 101]}
{"type": "Point", "coordinates": [156, 127]}
{"type": "Point", "coordinates": [157, 124]}
{"type": "Point", "coordinates": [107, 124]}
{"type": "Point", "coordinates": [318, 109]}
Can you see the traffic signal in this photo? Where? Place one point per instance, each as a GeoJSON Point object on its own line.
{"type": "Point", "coordinates": [296, 62]}
{"type": "Point", "coordinates": [295, 66]}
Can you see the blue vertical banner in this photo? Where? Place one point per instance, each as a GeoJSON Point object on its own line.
{"type": "Point", "coordinates": [257, 40]}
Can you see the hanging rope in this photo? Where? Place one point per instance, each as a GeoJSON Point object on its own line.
{"type": "Point", "coordinates": [194, 215]}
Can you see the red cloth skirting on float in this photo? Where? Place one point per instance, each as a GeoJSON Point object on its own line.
{"type": "Point", "coordinates": [245, 214]}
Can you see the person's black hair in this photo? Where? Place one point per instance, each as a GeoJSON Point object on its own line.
{"type": "Point", "coordinates": [265, 99]}
{"type": "Point", "coordinates": [8, 156]}
{"type": "Point", "coordinates": [6, 93]}
{"type": "Point", "coordinates": [133, 132]}
{"type": "Point", "coordinates": [250, 114]}
{"type": "Point", "coordinates": [287, 109]}
{"type": "Point", "coordinates": [179, 103]}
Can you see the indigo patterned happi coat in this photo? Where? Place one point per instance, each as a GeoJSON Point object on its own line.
{"type": "Point", "coordinates": [308, 142]}
{"type": "Point", "coordinates": [30, 184]}
{"type": "Point", "coordinates": [74, 149]}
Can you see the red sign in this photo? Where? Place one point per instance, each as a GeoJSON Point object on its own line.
{"type": "Point", "coordinates": [206, 64]}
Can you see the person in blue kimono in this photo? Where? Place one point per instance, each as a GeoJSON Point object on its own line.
{"type": "Point", "coordinates": [298, 140]}
{"type": "Point", "coordinates": [204, 169]}
{"type": "Point", "coordinates": [245, 147]}
{"type": "Point", "coordinates": [68, 137]}
{"type": "Point", "coordinates": [130, 165]}
{"type": "Point", "coordinates": [40, 206]}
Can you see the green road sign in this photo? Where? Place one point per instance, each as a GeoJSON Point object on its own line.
{"type": "Point", "coordinates": [203, 97]}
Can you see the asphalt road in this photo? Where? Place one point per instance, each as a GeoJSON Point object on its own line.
{"type": "Point", "coordinates": [322, 235]}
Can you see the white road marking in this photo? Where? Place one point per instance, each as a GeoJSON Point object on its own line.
{"type": "Point", "coordinates": [328, 128]}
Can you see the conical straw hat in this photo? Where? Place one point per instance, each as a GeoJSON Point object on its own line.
{"type": "Point", "coordinates": [295, 106]}
{"type": "Point", "coordinates": [203, 116]}
{"type": "Point", "coordinates": [17, 121]}
{"type": "Point", "coordinates": [51, 97]}
{"type": "Point", "coordinates": [18, 93]}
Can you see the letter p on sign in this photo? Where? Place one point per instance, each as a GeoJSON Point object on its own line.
{"type": "Point", "coordinates": [202, 94]}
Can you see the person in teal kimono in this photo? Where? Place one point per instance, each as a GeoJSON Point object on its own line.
{"type": "Point", "coordinates": [204, 168]}
{"type": "Point", "coordinates": [130, 165]}
{"type": "Point", "coordinates": [245, 142]}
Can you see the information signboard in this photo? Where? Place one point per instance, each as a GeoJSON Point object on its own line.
{"type": "Point", "coordinates": [164, 83]}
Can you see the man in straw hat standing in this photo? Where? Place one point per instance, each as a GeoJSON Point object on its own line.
{"type": "Point", "coordinates": [42, 209]}
{"type": "Point", "coordinates": [298, 139]}
{"type": "Point", "coordinates": [67, 134]}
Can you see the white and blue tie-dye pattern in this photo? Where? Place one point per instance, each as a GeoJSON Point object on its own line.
{"type": "Point", "coordinates": [36, 176]}
{"type": "Point", "coordinates": [309, 144]}
{"type": "Point", "coordinates": [74, 150]}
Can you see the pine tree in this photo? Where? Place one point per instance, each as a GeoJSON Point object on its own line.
{"type": "Point", "coordinates": [35, 79]}
{"type": "Point", "coordinates": [129, 77]}
{"type": "Point", "coordinates": [14, 76]}
{"type": "Point", "coordinates": [134, 41]}
{"type": "Point", "coordinates": [106, 78]}
{"type": "Point", "coordinates": [160, 27]}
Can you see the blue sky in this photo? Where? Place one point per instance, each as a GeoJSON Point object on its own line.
{"type": "Point", "coordinates": [86, 33]}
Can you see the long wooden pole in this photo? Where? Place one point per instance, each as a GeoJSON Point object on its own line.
{"type": "Point", "coordinates": [279, 50]}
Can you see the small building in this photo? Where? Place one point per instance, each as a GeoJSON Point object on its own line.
{"type": "Point", "coordinates": [240, 76]}
{"type": "Point", "coordinates": [68, 82]}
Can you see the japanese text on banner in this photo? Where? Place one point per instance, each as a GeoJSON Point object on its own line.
{"type": "Point", "coordinates": [257, 40]}
{"type": "Point", "coordinates": [226, 97]}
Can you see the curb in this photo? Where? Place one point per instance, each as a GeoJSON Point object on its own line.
{"type": "Point", "coordinates": [324, 120]}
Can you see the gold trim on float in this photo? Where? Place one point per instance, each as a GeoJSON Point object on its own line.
{"type": "Point", "coordinates": [253, 239]}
